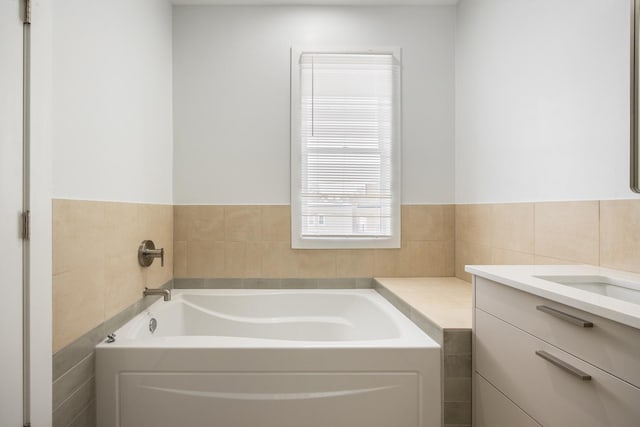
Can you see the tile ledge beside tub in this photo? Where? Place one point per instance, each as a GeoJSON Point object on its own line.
{"type": "Point", "coordinates": [442, 308]}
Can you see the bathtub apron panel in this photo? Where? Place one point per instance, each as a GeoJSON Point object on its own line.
{"type": "Point", "coordinates": [368, 399]}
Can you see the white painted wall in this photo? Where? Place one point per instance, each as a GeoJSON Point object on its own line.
{"type": "Point", "coordinates": [542, 100]}
{"type": "Point", "coordinates": [112, 118]}
{"type": "Point", "coordinates": [231, 95]}
{"type": "Point", "coordinates": [40, 204]}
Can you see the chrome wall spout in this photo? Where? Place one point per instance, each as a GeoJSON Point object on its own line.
{"type": "Point", "coordinates": [166, 293]}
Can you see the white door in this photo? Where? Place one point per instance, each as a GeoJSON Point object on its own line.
{"type": "Point", "coordinates": [10, 211]}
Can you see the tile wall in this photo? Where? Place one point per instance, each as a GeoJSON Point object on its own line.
{"type": "Point", "coordinates": [255, 242]}
{"type": "Point", "coordinates": [96, 275]}
{"type": "Point", "coordinates": [95, 266]}
{"type": "Point", "coordinates": [456, 370]}
{"type": "Point", "coordinates": [605, 233]}
{"type": "Point", "coordinates": [97, 286]}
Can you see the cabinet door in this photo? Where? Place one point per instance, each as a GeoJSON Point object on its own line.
{"type": "Point", "coordinates": [506, 357]}
{"type": "Point", "coordinates": [493, 409]}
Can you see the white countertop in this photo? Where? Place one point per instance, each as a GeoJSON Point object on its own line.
{"type": "Point", "coordinates": [523, 277]}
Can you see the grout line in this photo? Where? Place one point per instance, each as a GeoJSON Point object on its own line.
{"type": "Point", "coordinates": [73, 367]}
{"type": "Point", "coordinates": [76, 391]}
{"type": "Point", "coordinates": [91, 402]}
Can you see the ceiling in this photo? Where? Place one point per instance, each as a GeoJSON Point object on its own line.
{"type": "Point", "coordinates": [316, 2]}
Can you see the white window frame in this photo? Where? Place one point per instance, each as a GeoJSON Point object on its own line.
{"type": "Point", "coordinates": [299, 242]}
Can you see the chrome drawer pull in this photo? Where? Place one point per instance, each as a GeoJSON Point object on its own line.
{"type": "Point", "coordinates": [565, 316]}
{"type": "Point", "coordinates": [563, 365]}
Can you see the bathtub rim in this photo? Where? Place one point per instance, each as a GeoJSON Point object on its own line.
{"type": "Point", "coordinates": [411, 336]}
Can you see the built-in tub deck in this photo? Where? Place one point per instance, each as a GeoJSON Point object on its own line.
{"type": "Point", "coordinates": [443, 303]}
{"type": "Point", "coordinates": [442, 307]}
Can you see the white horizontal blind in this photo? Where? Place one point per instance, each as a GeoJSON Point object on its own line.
{"type": "Point", "coordinates": [347, 133]}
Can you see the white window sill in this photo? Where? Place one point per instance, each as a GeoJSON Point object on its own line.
{"type": "Point", "coordinates": [345, 243]}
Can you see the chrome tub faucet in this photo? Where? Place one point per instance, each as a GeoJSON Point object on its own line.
{"type": "Point", "coordinates": [166, 293]}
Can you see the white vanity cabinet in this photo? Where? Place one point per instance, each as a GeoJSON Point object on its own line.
{"type": "Point", "coordinates": [539, 362]}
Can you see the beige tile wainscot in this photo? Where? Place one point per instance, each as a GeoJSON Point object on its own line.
{"type": "Point", "coordinates": [441, 307]}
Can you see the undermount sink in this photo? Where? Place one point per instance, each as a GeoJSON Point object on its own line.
{"type": "Point", "coordinates": [601, 285]}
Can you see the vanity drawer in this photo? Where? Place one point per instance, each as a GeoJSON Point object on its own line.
{"type": "Point", "coordinates": [611, 346]}
{"type": "Point", "coordinates": [506, 356]}
{"type": "Point", "coordinates": [493, 409]}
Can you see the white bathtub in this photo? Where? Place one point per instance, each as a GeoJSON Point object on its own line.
{"type": "Point", "coordinates": [269, 358]}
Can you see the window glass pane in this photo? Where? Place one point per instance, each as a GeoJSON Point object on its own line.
{"type": "Point", "coordinates": [347, 103]}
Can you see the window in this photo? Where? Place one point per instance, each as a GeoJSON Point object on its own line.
{"type": "Point", "coordinates": [345, 148]}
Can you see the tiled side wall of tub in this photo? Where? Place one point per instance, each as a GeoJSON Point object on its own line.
{"type": "Point", "coordinates": [456, 370]}
{"type": "Point", "coordinates": [605, 233]}
{"type": "Point", "coordinates": [455, 363]}
{"type": "Point", "coordinates": [255, 242]}
{"type": "Point", "coordinates": [98, 283]}
{"type": "Point", "coordinates": [74, 393]}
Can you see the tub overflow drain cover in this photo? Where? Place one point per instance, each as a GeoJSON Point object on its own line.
{"type": "Point", "coordinates": [153, 324]}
